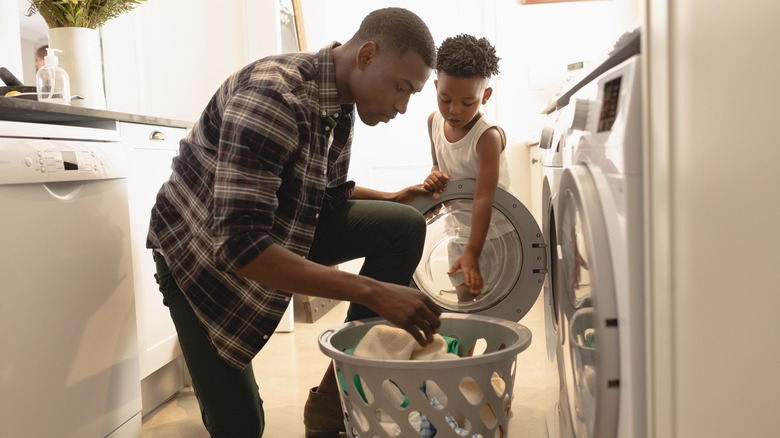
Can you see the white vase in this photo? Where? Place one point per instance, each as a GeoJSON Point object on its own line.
{"type": "Point", "coordinates": [82, 58]}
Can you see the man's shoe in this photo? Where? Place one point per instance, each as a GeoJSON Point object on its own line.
{"type": "Point", "coordinates": [322, 415]}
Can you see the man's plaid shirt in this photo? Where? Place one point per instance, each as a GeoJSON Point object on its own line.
{"type": "Point", "coordinates": [269, 151]}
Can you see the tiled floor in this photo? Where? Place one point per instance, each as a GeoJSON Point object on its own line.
{"type": "Point", "coordinates": [291, 363]}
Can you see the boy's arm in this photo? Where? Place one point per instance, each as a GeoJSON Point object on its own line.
{"type": "Point", "coordinates": [436, 180]}
{"type": "Point", "coordinates": [430, 138]}
{"type": "Point", "coordinates": [489, 148]}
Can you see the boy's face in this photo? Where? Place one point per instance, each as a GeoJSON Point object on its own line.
{"type": "Point", "coordinates": [460, 99]}
{"type": "Point", "coordinates": [384, 81]}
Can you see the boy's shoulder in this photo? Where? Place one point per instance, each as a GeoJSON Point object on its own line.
{"type": "Point", "coordinates": [490, 129]}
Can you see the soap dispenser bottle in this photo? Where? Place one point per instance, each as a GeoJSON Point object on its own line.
{"type": "Point", "coordinates": [51, 80]}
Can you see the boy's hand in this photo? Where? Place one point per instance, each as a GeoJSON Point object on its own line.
{"type": "Point", "coordinates": [468, 264]}
{"type": "Point", "coordinates": [436, 182]}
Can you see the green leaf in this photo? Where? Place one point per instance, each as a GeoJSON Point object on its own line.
{"type": "Point", "coordinates": [81, 13]}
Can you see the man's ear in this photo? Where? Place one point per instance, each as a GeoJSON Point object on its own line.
{"type": "Point", "coordinates": [486, 95]}
{"type": "Point", "coordinates": [366, 54]}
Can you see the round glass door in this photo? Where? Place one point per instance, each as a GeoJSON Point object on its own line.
{"type": "Point", "coordinates": [588, 308]}
{"type": "Point", "coordinates": [512, 262]}
{"type": "Point", "coordinates": [449, 229]}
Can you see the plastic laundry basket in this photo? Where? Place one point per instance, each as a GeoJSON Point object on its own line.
{"type": "Point", "coordinates": [466, 397]}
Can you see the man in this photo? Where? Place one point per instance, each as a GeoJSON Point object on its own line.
{"type": "Point", "coordinates": [258, 206]}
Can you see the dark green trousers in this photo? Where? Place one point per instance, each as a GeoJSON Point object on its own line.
{"type": "Point", "coordinates": [388, 235]}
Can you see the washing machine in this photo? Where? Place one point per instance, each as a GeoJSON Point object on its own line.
{"type": "Point", "coordinates": [551, 143]}
{"type": "Point", "coordinates": [513, 262]}
{"type": "Point", "coordinates": [598, 257]}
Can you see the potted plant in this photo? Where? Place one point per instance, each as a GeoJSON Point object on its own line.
{"type": "Point", "coordinates": [91, 14]}
{"type": "Point", "coordinates": [73, 29]}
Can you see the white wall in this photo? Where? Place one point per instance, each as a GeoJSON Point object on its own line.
{"type": "Point", "coordinates": [10, 40]}
{"type": "Point", "coordinates": [714, 235]}
{"type": "Point", "coordinates": [531, 40]}
{"type": "Point", "coordinates": [166, 58]}
{"type": "Point", "coordinates": [538, 41]}
{"type": "Point", "coordinates": [32, 31]}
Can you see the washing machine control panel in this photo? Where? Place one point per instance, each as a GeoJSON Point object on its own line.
{"type": "Point", "coordinates": [583, 110]}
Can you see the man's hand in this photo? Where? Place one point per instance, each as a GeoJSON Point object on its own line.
{"type": "Point", "coordinates": [408, 309]}
{"type": "Point", "coordinates": [410, 193]}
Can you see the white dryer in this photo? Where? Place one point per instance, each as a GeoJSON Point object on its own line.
{"type": "Point", "coordinates": [598, 259]}
{"type": "Point", "coordinates": [551, 158]}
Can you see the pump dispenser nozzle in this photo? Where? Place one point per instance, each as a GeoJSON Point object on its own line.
{"type": "Point", "coordinates": [51, 58]}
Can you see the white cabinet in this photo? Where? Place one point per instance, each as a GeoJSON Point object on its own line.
{"type": "Point", "coordinates": [149, 151]}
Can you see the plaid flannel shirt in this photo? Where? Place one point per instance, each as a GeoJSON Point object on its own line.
{"type": "Point", "coordinates": [270, 150]}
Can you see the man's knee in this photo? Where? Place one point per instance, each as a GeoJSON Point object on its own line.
{"type": "Point", "coordinates": [409, 226]}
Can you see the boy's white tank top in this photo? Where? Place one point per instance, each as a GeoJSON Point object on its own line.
{"type": "Point", "coordinates": [460, 159]}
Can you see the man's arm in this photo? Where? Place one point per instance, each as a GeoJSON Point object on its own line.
{"type": "Point", "coordinates": [402, 306]}
{"type": "Point", "coordinates": [403, 196]}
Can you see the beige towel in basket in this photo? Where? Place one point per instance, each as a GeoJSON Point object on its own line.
{"type": "Point", "coordinates": [392, 343]}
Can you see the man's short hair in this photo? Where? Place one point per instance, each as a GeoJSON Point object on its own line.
{"type": "Point", "coordinates": [397, 30]}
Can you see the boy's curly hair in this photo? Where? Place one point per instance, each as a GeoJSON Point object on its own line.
{"type": "Point", "coordinates": [465, 56]}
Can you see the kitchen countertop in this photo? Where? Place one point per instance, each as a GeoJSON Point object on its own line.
{"type": "Point", "coordinates": [21, 110]}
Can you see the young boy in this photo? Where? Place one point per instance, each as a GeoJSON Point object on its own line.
{"type": "Point", "coordinates": [466, 145]}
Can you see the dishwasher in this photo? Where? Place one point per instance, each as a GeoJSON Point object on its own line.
{"type": "Point", "coordinates": [68, 337]}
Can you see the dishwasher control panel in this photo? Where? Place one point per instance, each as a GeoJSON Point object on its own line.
{"type": "Point", "coordinates": [64, 161]}
{"type": "Point", "coordinates": [25, 160]}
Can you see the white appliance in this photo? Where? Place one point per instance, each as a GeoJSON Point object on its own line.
{"type": "Point", "coordinates": [599, 259]}
{"type": "Point", "coordinates": [69, 362]}
{"type": "Point", "coordinates": [551, 159]}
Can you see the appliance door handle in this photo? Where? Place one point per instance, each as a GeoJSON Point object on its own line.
{"type": "Point", "coordinates": [65, 190]}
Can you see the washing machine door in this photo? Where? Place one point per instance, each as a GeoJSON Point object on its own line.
{"type": "Point", "coordinates": [512, 263]}
{"type": "Point", "coordinates": [587, 303]}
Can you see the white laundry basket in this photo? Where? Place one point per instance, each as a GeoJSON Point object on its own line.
{"type": "Point", "coordinates": [466, 397]}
